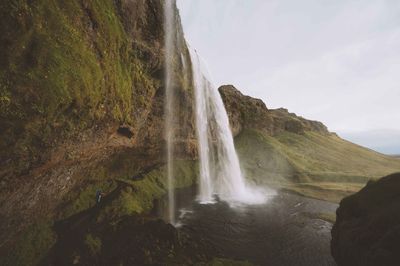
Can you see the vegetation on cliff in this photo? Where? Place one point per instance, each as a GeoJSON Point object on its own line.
{"type": "Point", "coordinates": [65, 66]}
{"type": "Point", "coordinates": [81, 109]}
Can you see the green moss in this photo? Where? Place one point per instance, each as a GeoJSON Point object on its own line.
{"type": "Point", "coordinates": [85, 197]}
{"type": "Point", "coordinates": [65, 66]}
{"type": "Point", "coordinates": [135, 198]}
{"type": "Point", "coordinates": [186, 173]}
{"type": "Point", "coordinates": [32, 246]}
{"type": "Point", "coordinates": [93, 243]}
{"type": "Point", "coordinates": [129, 196]}
{"type": "Point", "coordinates": [138, 195]}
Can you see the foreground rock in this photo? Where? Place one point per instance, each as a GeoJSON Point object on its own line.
{"type": "Point", "coordinates": [131, 241]}
{"type": "Point", "coordinates": [367, 228]}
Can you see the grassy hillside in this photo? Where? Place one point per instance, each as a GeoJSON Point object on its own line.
{"type": "Point", "coordinates": [318, 165]}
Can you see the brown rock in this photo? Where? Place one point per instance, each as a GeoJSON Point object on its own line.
{"type": "Point", "coordinates": [247, 112]}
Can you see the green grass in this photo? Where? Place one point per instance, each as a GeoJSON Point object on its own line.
{"type": "Point", "coordinates": [311, 164]}
{"type": "Point", "coordinates": [334, 158]}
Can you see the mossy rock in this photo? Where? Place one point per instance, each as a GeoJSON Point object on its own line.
{"type": "Point", "coordinates": [93, 243]}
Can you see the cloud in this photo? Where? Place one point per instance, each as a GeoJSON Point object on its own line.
{"type": "Point", "coordinates": [331, 88]}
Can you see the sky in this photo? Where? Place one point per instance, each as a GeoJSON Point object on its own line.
{"type": "Point", "coordinates": [335, 61]}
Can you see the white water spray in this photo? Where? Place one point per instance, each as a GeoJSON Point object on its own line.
{"type": "Point", "coordinates": [220, 172]}
{"type": "Point", "coordinates": [169, 31]}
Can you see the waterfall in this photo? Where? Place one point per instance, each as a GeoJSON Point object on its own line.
{"type": "Point", "coordinates": [220, 172]}
{"type": "Point", "coordinates": [169, 32]}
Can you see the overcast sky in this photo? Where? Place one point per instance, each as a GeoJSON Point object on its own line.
{"type": "Point", "coordinates": [336, 61]}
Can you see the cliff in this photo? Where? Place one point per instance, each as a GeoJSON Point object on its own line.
{"type": "Point", "coordinates": [367, 227]}
{"type": "Point", "coordinates": [81, 109]}
{"type": "Point", "coordinates": [247, 112]}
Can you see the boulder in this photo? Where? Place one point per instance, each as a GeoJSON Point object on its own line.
{"type": "Point", "coordinates": [367, 228]}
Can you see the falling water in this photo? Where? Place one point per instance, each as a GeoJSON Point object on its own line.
{"type": "Point", "coordinates": [220, 172]}
{"type": "Point", "coordinates": [169, 103]}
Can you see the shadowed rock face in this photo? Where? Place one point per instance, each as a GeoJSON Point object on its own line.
{"type": "Point", "coordinates": [367, 228]}
{"type": "Point", "coordinates": [131, 241]}
{"type": "Point", "coordinates": [247, 112]}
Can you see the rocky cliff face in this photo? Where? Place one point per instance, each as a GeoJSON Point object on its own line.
{"type": "Point", "coordinates": [367, 228]}
{"type": "Point", "coordinates": [81, 100]}
{"type": "Point", "coordinates": [247, 112]}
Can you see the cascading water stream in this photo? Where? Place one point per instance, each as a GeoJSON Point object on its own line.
{"type": "Point", "coordinates": [169, 31]}
{"type": "Point", "coordinates": [220, 172]}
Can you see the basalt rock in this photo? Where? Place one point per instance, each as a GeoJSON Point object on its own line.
{"type": "Point", "coordinates": [367, 228]}
{"type": "Point", "coordinates": [245, 111]}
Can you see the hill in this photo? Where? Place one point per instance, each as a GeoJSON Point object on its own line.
{"type": "Point", "coordinates": [286, 151]}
